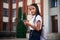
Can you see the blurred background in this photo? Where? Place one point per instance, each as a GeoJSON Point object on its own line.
{"type": "Point", "coordinates": [14, 12]}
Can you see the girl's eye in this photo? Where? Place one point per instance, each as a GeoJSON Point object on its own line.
{"type": "Point", "coordinates": [32, 8]}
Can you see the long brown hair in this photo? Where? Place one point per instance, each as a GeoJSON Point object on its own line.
{"type": "Point", "coordinates": [37, 10]}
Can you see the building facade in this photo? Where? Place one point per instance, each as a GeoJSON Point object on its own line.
{"type": "Point", "coordinates": [49, 10]}
{"type": "Point", "coordinates": [51, 16]}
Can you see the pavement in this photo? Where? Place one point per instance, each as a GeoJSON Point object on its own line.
{"type": "Point", "coordinates": [15, 39]}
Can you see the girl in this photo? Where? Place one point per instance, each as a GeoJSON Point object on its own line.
{"type": "Point", "coordinates": [35, 24]}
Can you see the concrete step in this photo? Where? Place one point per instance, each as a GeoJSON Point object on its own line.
{"type": "Point", "coordinates": [15, 39]}
{"type": "Point", "coordinates": [50, 36]}
{"type": "Point", "coordinates": [7, 34]}
{"type": "Point", "coordinates": [54, 36]}
{"type": "Point", "coordinates": [24, 39]}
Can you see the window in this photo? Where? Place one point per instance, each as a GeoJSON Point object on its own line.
{"type": "Point", "coordinates": [14, 12]}
{"type": "Point", "coordinates": [14, 1]}
{"type": "Point", "coordinates": [53, 3]}
{"type": "Point", "coordinates": [6, 1]}
{"type": "Point", "coordinates": [20, 0]}
{"type": "Point", "coordinates": [5, 12]}
{"type": "Point", "coordinates": [5, 26]}
{"type": "Point", "coordinates": [14, 27]}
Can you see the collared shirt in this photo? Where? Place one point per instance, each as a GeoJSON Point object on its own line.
{"type": "Point", "coordinates": [38, 17]}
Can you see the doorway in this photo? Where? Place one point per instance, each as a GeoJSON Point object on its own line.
{"type": "Point", "coordinates": [54, 24]}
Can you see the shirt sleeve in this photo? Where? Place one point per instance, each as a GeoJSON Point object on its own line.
{"type": "Point", "coordinates": [39, 18]}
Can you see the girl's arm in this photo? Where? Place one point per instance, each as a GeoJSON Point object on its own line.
{"type": "Point", "coordinates": [37, 28]}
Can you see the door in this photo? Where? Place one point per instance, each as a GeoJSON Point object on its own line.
{"type": "Point", "coordinates": [54, 24]}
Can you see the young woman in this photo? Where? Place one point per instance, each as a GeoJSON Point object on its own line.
{"type": "Point", "coordinates": [35, 24]}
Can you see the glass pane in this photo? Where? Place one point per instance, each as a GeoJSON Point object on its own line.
{"type": "Point", "coordinates": [14, 1]}
{"type": "Point", "coordinates": [14, 12]}
{"type": "Point", "coordinates": [5, 12]}
{"type": "Point", "coordinates": [5, 26]}
{"type": "Point", "coordinates": [6, 1]}
{"type": "Point", "coordinates": [53, 3]}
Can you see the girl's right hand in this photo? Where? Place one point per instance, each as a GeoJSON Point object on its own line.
{"type": "Point", "coordinates": [26, 22]}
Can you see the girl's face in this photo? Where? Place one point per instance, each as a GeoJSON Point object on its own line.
{"type": "Point", "coordinates": [33, 10]}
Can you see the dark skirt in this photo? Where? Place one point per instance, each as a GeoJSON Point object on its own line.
{"type": "Point", "coordinates": [34, 35]}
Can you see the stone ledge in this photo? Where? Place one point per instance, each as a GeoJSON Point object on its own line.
{"type": "Point", "coordinates": [53, 36]}
{"type": "Point", "coordinates": [7, 34]}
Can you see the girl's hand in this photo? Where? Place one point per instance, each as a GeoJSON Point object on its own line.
{"type": "Point", "coordinates": [26, 22]}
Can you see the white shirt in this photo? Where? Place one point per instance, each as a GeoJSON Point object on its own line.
{"type": "Point", "coordinates": [38, 17]}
